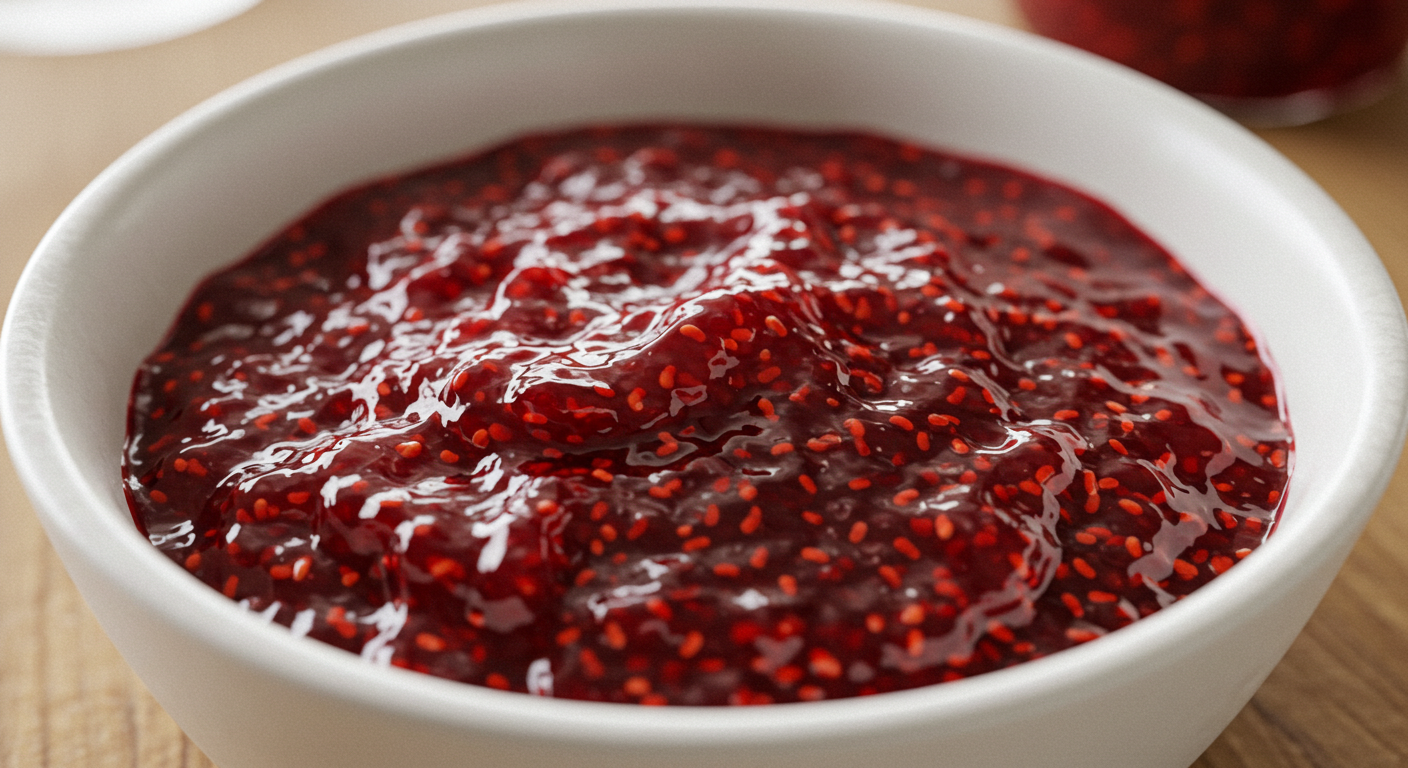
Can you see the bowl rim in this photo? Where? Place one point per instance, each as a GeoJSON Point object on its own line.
{"type": "Point", "coordinates": [68, 508]}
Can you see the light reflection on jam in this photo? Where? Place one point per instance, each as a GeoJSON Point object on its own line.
{"type": "Point", "coordinates": [688, 415]}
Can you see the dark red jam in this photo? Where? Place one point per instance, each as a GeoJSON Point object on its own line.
{"type": "Point", "coordinates": [1236, 48]}
{"type": "Point", "coordinates": [689, 415]}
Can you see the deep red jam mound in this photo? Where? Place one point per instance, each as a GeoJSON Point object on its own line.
{"type": "Point", "coordinates": [706, 416]}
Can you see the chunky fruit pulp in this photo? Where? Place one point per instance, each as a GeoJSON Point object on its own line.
{"type": "Point", "coordinates": [704, 415]}
{"type": "Point", "coordinates": [1235, 48]}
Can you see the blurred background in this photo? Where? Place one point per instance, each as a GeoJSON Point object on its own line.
{"type": "Point", "coordinates": [81, 82]}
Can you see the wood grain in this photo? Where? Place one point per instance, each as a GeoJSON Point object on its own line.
{"type": "Point", "coordinates": [1339, 699]}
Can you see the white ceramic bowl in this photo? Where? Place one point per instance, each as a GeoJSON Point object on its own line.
{"type": "Point", "coordinates": [108, 278]}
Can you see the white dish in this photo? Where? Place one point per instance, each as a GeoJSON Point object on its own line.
{"type": "Point", "coordinates": [76, 27]}
{"type": "Point", "coordinates": [106, 281]}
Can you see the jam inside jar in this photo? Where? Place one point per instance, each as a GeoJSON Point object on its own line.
{"type": "Point", "coordinates": [1264, 62]}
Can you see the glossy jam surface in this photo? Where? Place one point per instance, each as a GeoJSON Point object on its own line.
{"type": "Point", "coordinates": [688, 415]}
{"type": "Point", "coordinates": [1235, 48]}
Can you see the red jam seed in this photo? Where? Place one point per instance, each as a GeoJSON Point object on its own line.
{"type": "Point", "coordinates": [665, 414]}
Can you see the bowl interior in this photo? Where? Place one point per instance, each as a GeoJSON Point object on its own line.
{"type": "Point", "coordinates": [206, 189]}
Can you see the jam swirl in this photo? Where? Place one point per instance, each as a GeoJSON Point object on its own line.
{"type": "Point", "coordinates": [706, 415]}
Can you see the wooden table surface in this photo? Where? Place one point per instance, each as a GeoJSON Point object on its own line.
{"type": "Point", "coordinates": [67, 700]}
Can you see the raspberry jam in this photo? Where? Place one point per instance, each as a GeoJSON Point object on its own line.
{"type": "Point", "coordinates": [672, 414]}
{"type": "Point", "coordinates": [1267, 61]}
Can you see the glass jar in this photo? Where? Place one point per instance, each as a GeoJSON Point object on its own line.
{"type": "Point", "coordinates": [1266, 62]}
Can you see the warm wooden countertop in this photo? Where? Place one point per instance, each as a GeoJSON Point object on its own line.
{"type": "Point", "coordinates": [67, 700]}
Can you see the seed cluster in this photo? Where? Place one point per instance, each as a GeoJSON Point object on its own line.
{"type": "Point", "coordinates": [667, 414]}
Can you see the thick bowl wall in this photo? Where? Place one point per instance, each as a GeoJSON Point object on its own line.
{"type": "Point", "coordinates": [200, 193]}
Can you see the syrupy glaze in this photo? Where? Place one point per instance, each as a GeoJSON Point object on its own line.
{"type": "Point", "coordinates": [706, 415]}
